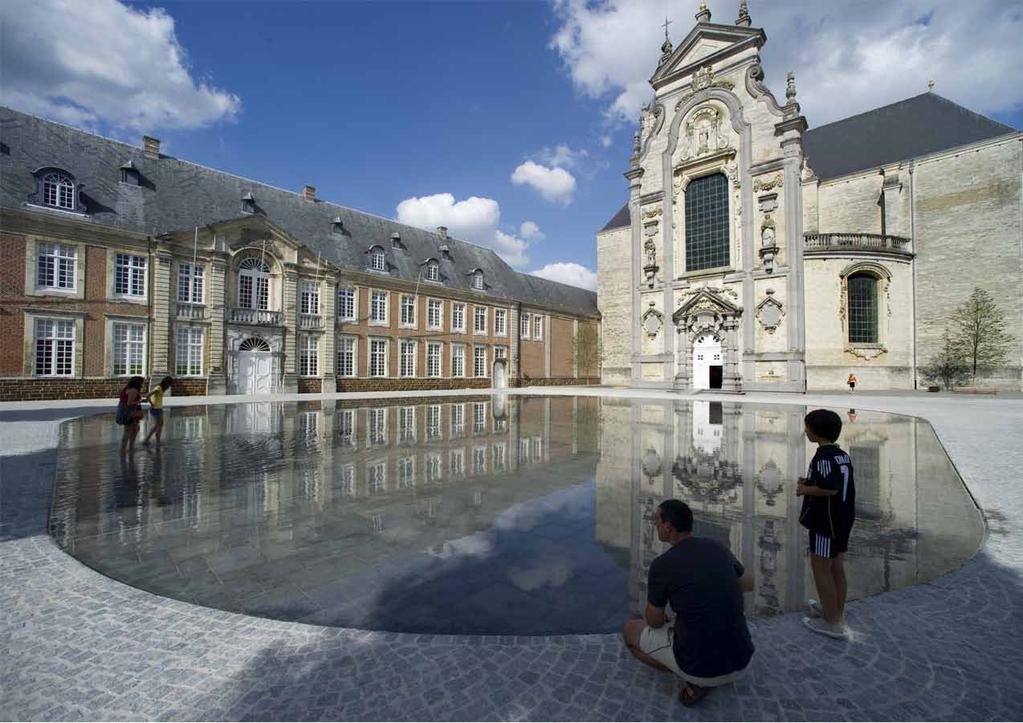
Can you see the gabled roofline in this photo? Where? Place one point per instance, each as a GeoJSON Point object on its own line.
{"type": "Point", "coordinates": [741, 38]}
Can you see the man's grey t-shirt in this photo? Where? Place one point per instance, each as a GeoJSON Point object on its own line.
{"type": "Point", "coordinates": [700, 578]}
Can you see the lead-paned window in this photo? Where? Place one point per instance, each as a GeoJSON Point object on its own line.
{"type": "Point", "coordinates": [479, 367]}
{"type": "Point", "coordinates": [309, 356]}
{"type": "Point", "coordinates": [130, 275]}
{"type": "Point", "coordinates": [378, 357]}
{"type": "Point", "coordinates": [457, 317]}
{"type": "Point", "coordinates": [191, 279]}
{"type": "Point", "coordinates": [55, 347]}
{"type": "Point", "coordinates": [378, 307]}
{"type": "Point", "coordinates": [434, 313]}
{"type": "Point", "coordinates": [129, 348]}
{"type": "Point", "coordinates": [55, 266]}
{"type": "Point", "coordinates": [346, 303]}
{"type": "Point", "coordinates": [407, 358]}
{"type": "Point", "coordinates": [707, 223]}
{"type": "Point", "coordinates": [188, 351]}
{"type": "Point", "coordinates": [500, 322]}
{"type": "Point", "coordinates": [458, 360]}
{"type": "Point", "coordinates": [310, 298]}
{"type": "Point", "coordinates": [346, 356]}
{"type": "Point", "coordinates": [408, 310]}
{"type": "Point", "coordinates": [862, 291]}
{"type": "Point", "coordinates": [433, 357]}
{"type": "Point", "coordinates": [479, 324]}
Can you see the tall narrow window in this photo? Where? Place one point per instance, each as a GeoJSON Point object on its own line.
{"type": "Point", "coordinates": [458, 360]}
{"type": "Point", "coordinates": [479, 367]}
{"type": "Point", "coordinates": [862, 292]}
{"type": "Point", "coordinates": [377, 426]}
{"type": "Point", "coordinates": [537, 327]}
{"type": "Point", "coordinates": [433, 421]}
{"type": "Point", "coordinates": [457, 317]}
{"type": "Point", "coordinates": [500, 322]}
{"type": "Point", "coordinates": [59, 191]}
{"type": "Point", "coordinates": [346, 303]}
{"type": "Point", "coordinates": [309, 302]}
{"type": "Point", "coordinates": [407, 424]}
{"type": "Point", "coordinates": [254, 284]}
{"type": "Point", "coordinates": [477, 280]}
{"type": "Point", "coordinates": [346, 427]}
{"type": "Point", "coordinates": [707, 223]}
{"type": "Point", "coordinates": [378, 357]}
{"type": "Point", "coordinates": [55, 347]}
{"type": "Point", "coordinates": [524, 326]}
{"type": "Point", "coordinates": [188, 351]}
{"type": "Point", "coordinates": [130, 275]}
{"type": "Point", "coordinates": [129, 348]}
{"type": "Point", "coordinates": [55, 266]}
{"type": "Point", "coordinates": [434, 313]}
{"type": "Point", "coordinates": [309, 356]}
{"type": "Point", "coordinates": [408, 310]}
{"type": "Point", "coordinates": [377, 261]}
{"type": "Point", "coordinates": [479, 324]}
{"type": "Point", "coordinates": [378, 307]}
{"type": "Point", "coordinates": [432, 271]}
{"type": "Point", "coordinates": [346, 356]}
{"type": "Point", "coordinates": [190, 283]}
{"type": "Point", "coordinates": [407, 358]}
{"type": "Point", "coordinates": [433, 357]}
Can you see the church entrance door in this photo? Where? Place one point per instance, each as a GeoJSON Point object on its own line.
{"type": "Point", "coordinates": [707, 357]}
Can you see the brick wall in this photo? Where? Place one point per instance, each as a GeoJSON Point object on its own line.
{"type": "Point", "coordinates": [12, 390]}
{"type": "Point", "coordinates": [309, 386]}
{"type": "Point", "coordinates": [345, 384]}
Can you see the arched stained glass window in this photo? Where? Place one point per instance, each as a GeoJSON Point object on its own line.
{"type": "Point", "coordinates": [862, 303]}
{"type": "Point", "coordinates": [707, 223]}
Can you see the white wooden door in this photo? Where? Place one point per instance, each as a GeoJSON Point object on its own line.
{"type": "Point", "coordinates": [706, 353]}
{"type": "Point", "coordinates": [255, 372]}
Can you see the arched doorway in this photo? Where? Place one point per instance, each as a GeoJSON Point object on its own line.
{"type": "Point", "coordinates": [708, 366]}
{"type": "Point", "coordinates": [255, 367]}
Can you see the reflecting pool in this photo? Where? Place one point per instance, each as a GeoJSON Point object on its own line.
{"type": "Point", "coordinates": [487, 515]}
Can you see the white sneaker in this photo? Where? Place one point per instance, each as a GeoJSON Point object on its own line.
{"type": "Point", "coordinates": [815, 609]}
{"type": "Point", "coordinates": [823, 627]}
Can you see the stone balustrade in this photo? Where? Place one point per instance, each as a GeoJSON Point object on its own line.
{"type": "Point", "coordinates": [190, 311]}
{"type": "Point", "coordinates": [310, 321]}
{"type": "Point", "coordinates": [871, 242]}
{"type": "Point", "coordinates": [256, 317]}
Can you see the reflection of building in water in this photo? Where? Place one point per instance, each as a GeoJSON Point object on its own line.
{"type": "Point", "coordinates": [736, 466]}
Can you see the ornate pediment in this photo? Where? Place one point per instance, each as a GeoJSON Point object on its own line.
{"type": "Point", "coordinates": [706, 44]}
{"type": "Point", "coordinates": [706, 302]}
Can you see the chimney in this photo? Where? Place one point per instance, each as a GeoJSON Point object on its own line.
{"type": "Point", "coordinates": [151, 147]}
{"type": "Point", "coordinates": [309, 193]}
{"type": "Point", "coordinates": [442, 231]}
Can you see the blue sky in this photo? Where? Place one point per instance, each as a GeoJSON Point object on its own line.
{"type": "Point", "coordinates": [521, 112]}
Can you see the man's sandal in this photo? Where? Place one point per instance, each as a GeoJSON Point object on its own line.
{"type": "Point", "coordinates": [692, 694]}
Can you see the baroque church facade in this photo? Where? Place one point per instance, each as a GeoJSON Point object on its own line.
{"type": "Point", "coordinates": [755, 253]}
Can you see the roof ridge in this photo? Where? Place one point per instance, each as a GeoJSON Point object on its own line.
{"type": "Point", "coordinates": [906, 100]}
{"type": "Point", "coordinates": [552, 281]}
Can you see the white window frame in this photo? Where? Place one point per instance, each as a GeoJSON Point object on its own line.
{"type": "Point", "coordinates": [133, 270]}
{"type": "Point", "coordinates": [435, 314]}
{"type": "Point", "coordinates": [257, 296]}
{"type": "Point", "coordinates": [61, 346]}
{"type": "Point", "coordinates": [477, 327]}
{"type": "Point", "coordinates": [433, 421]}
{"type": "Point", "coordinates": [341, 312]}
{"type": "Point", "coordinates": [459, 308]}
{"type": "Point", "coordinates": [434, 356]}
{"type": "Point", "coordinates": [406, 424]}
{"type": "Point", "coordinates": [346, 427]}
{"type": "Point", "coordinates": [377, 259]}
{"type": "Point", "coordinates": [432, 271]}
{"type": "Point", "coordinates": [309, 298]}
{"type": "Point", "coordinates": [127, 354]}
{"type": "Point", "coordinates": [376, 433]}
{"type": "Point", "coordinates": [458, 355]}
{"type": "Point", "coordinates": [500, 353]}
{"type": "Point", "coordinates": [62, 263]}
{"type": "Point", "coordinates": [500, 322]}
{"type": "Point", "coordinates": [403, 307]}
{"type": "Point", "coordinates": [373, 296]}
{"type": "Point", "coordinates": [477, 281]}
{"type": "Point", "coordinates": [479, 417]}
{"type": "Point", "coordinates": [407, 360]}
{"type": "Point", "coordinates": [476, 362]}
{"type": "Point", "coordinates": [59, 191]}
{"type": "Point", "coordinates": [188, 351]}
{"type": "Point", "coordinates": [309, 355]}
{"type": "Point", "coordinates": [373, 341]}
{"type": "Point", "coordinates": [538, 327]}
{"type": "Point", "coordinates": [191, 283]}
{"type": "Point", "coordinates": [525, 325]}
{"type": "Point", "coordinates": [457, 420]}
{"type": "Point", "coordinates": [343, 340]}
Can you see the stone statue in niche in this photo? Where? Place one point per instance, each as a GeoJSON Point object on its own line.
{"type": "Point", "coordinates": [650, 263]}
{"type": "Point", "coordinates": [768, 247]}
{"type": "Point", "coordinates": [703, 133]}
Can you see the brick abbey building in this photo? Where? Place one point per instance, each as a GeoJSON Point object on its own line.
{"type": "Point", "coordinates": [117, 260]}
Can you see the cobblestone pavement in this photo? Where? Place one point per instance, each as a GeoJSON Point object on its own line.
{"type": "Point", "coordinates": [77, 645]}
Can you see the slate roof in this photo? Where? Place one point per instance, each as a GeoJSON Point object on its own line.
{"type": "Point", "coordinates": [174, 195]}
{"type": "Point", "coordinates": [914, 127]}
{"type": "Point", "coordinates": [926, 123]}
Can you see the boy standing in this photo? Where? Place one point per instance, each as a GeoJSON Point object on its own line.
{"type": "Point", "coordinates": [829, 511]}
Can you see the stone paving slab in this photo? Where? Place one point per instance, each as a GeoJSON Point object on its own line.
{"type": "Point", "coordinates": [77, 645]}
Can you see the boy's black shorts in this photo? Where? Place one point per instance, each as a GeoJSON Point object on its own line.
{"type": "Point", "coordinates": [829, 547]}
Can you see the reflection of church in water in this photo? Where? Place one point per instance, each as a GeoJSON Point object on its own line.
{"type": "Point", "coordinates": [736, 466]}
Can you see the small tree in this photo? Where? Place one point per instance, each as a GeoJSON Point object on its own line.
{"type": "Point", "coordinates": [978, 334]}
{"type": "Point", "coordinates": [947, 366]}
{"type": "Point", "coordinates": [586, 350]}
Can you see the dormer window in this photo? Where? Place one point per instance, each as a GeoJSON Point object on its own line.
{"type": "Point", "coordinates": [432, 270]}
{"type": "Point", "coordinates": [377, 260]}
{"type": "Point", "coordinates": [477, 280]}
{"type": "Point", "coordinates": [130, 174]}
{"type": "Point", "coordinates": [337, 225]}
{"type": "Point", "coordinates": [249, 203]}
{"type": "Point", "coordinates": [59, 191]}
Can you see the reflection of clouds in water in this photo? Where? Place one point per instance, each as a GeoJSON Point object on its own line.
{"type": "Point", "coordinates": [552, 572]}
{"type": "Point", "coordinates": [478, 544]}
{"type": "Point", "coordinates": [571, 503]}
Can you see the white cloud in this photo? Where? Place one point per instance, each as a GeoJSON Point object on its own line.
{"type": "Point", "coordinates": [560, 156]}
{"type": "Point", "coordinates": [530, 231]}
{"type": "Point", "coordinates": [554, 184]}
{"type": "Point", "coordinates": [568, 272]}
{"type": "Point", "coordinates": [474, 219]}
{"type": "Point", "coordinates": [86, 63]}
{"type": "Point", "coordinates": [848, 57]}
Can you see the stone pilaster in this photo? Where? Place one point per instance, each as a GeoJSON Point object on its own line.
{"type": "Point", "coordinates": [217, 301]}
{"type": "Point", "coordinates": [289, 307]}
{"type": "Point", "coordinates": [162, 321]}
{"type": "Point", "coordinates": [328, 341]}
{"type": "Point", "coordinates": [513, 348]}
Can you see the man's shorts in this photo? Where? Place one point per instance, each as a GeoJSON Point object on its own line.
{"type": "Point", "coordinates": [156, 412]}
{"type": "Point", "coordinates": [656, 642]}
{"type": "Point", "coordinates": [829, 547]}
